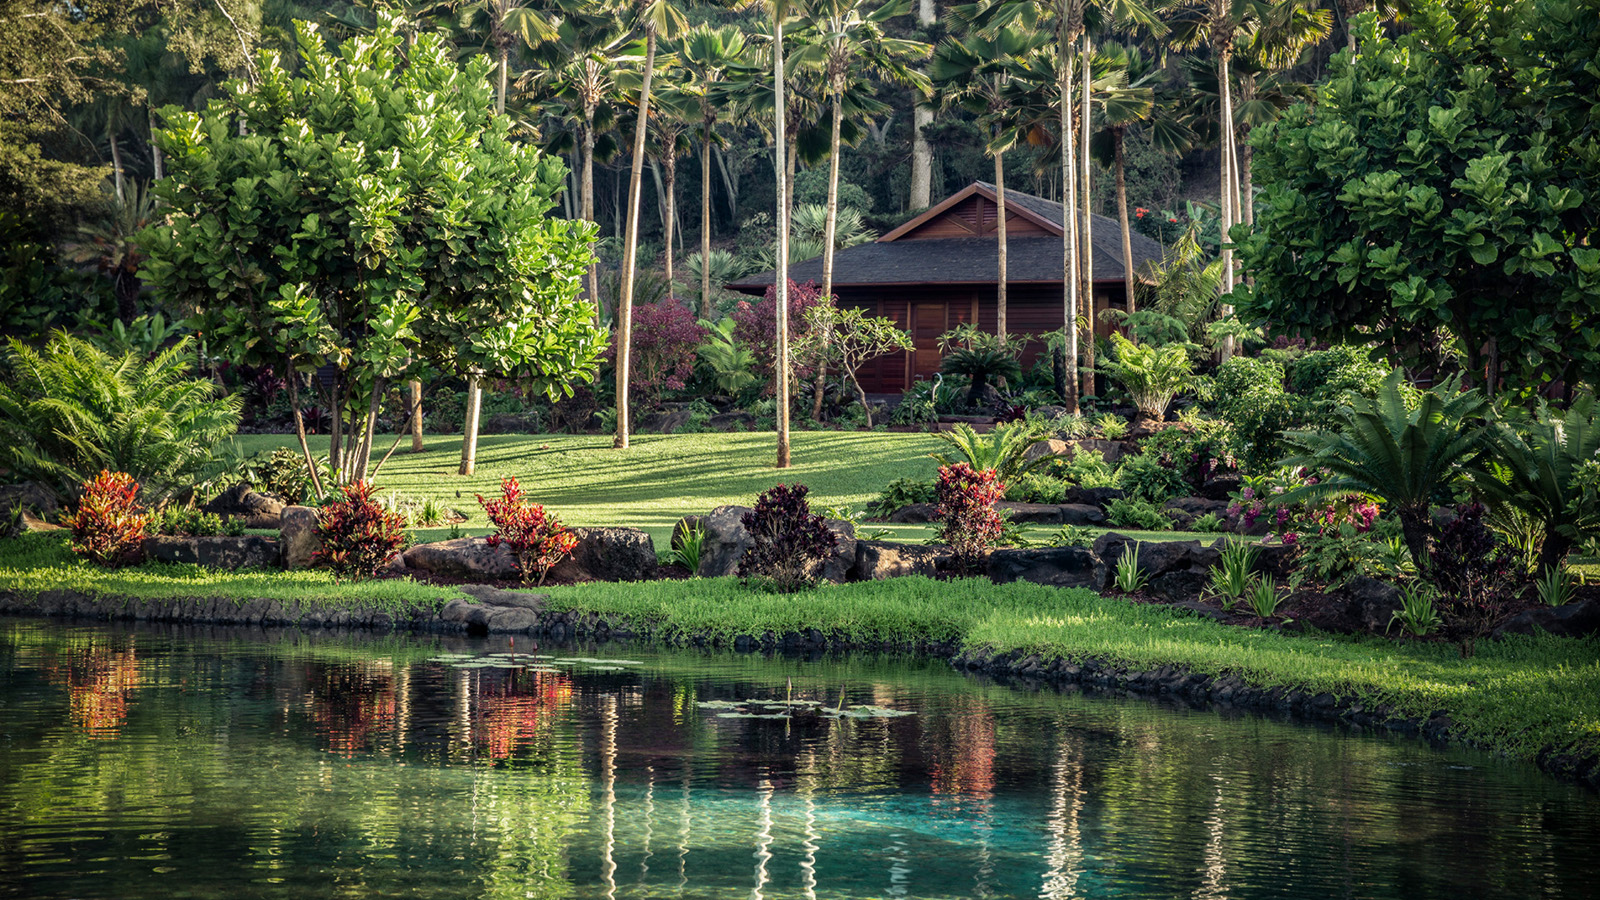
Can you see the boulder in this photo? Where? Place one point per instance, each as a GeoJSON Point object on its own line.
{"type": "Point", "coordinates": [1082, 514]}
{"type": "Point", "coordinates": [877, 560]}
{"type": "Point", "coordinates": [1183, 511]}
{"type": "Point", "coordinates": [1277, 560]}
{"type": "Point", "coordinates": [34, 500]}
{"type": "Point", "coordinates": [1054, 566]}
{"type": "Point", "coordinates": [217, 552]}
{"type": "Point", "coordinates": [467, 557]}
{"type": "Point", "coordinates": [738, 420]}
{"type": "Point", "coordinates": [1175, 569]}
{"type": "Point", "coordinates": [1371, 604]}
{"type": "Point", "coordinates": [1097, 496]}
{"type": "Point", "coordinates": [504, 619]}
{"type": "Point", "coordinates": [1221, 487]}
{"type": "Point", "coordinates": [726, 540]}
{"type": "Point", "coordinates": [259, 510]}
{"type": "Point", "coordinates": [683, 526]}
{"type": "Point", "coordinates": [1572, 620]}
{"type": "Point", "coordinates": [297, 536]}
{"type": "Point", "coordinates": [915, 514]}
{"type": "Point", "coordinates": [489, 595]}
{"type": "Point", "coordinates": [1048, 447]}
{"type": "Point", "coordinates": [1030, 513]}
{"type": "Point", "coordinates": [608, 554]}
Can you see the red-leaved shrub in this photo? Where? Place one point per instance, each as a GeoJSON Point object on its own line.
{"type": "Point", "coordinates": [665, 335]}
{"type": "Point", "coordinates": [966, 506]}
{"type": "Point", "coordinates": [358, 535]}
{"type": "Point", "coordinates": [536, 538]}
{"type": "Point", "coordinates": [756, 325]}
{"type": "Point", "coordinates": [786, 540]}
{"type": "Point", "coordinates": [109, 526]}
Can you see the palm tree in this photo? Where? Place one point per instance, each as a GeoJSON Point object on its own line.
{"type": "Point", "coordinates": [708, 54]}
{"type": "Point", "coordinates": [671, 112]}
{"type": "Point", "coordinates": [503, 24]}
{"type": "Point", "coordinates": [111, 245]}
{"type": "Point", "coordinates": [974, 73]}
{"type": "Point", "coordinates": [657, 19]}
{"type": "Point", "coordinates": [587, 85]}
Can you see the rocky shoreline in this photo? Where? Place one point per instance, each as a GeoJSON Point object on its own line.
{"type": "Point", "coordinates": [496, 611]}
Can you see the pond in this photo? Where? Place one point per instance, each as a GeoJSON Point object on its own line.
{"type": "Point", "coordinates": [200, 763]}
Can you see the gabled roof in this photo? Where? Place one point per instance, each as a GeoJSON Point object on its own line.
{"type": "Point", "coordinates": [900, 258]}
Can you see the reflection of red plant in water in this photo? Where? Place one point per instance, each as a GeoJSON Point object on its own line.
{"type": "Point", "coordinates": [349, 705]}
{"type": "Point", "coordinates": [512, 711]}
{"type": "Point", "coordinates": [99, 684]}
{"type": "Point", "coordinates": [967, 765]}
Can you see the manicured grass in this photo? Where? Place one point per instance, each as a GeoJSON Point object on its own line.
{"type": "Point", "coordinates": [1514, 696]}
{"type": "Point", "coordinates": [34, 563]}
{"type": "Point", "coordinates": [661, 477]}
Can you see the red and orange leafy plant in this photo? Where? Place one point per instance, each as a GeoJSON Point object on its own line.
{"type": "Point", "coordinates": [966, 507]}
{"type": "Point", "coordinates": [109, 525]}
{"type": "Point", "coordinates": [358, 535]}
{"type": "Point", "coordinates": [787, 540]}
{"type": "Point", "coordinates": [536, 538]}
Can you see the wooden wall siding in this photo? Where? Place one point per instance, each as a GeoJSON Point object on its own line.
{"type": "Point", "coordinates": [974, 216]}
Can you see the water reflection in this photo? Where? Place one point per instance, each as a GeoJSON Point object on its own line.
{"type": "Point", "coordinates": [143, 764]}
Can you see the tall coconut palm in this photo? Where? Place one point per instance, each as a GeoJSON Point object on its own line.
{"type": "Point", "coordinates": [708, 54]}
{"type": "Point", "coordinates": [974, 73]}
{"type": "Point", "coordinates": [502, 25]}
{"type": "Point", "coordinates": [657, 19]}
{"type": "Point", "coordinates": [671, 113]}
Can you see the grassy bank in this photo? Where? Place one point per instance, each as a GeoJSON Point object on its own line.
{"type": "Point", "coordinates": [1515, 696]}
{"type": "Point", "coordinates": [34, 563]}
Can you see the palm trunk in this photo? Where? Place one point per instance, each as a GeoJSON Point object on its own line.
{"type": "Point", "coordinates": [500, 89]}
{"type": "Point", "coordinates": [1228, 198]}
{"type": "Point", "coordinates": [630, 245]}
{"type": "Point", "coordinates": [1069, 228]}
{"type": "Point", "coordinates": [116, 167]}
{"type": "Point", "coordinates": [670, 163]}
{"type": "Point", "coordinates": [416, 416]}
{"type": "Point", "coordinates": [1122, 214]}
{"type": "Point", "coordinates": [1086, 239]}
{"type": "Point", "coordinates": [921, 117]}
{"type": "Point", "coordinates": [158, 160]}
{"type": "Point", "coordinates": [705, 227]}
{"type": "Point", "coordinates": [1000, 247]}
{"type": "Point", "coordinates": [781, 282]}
{"type": "Point", "coordinates": [587, 204]}
{"type": "Point", "coordinates": [469, 429]}
{"type": "Point", "coordinates": [829, 230]}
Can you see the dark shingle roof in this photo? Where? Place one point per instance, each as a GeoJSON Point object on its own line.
{"type": "Point", "coordinates": [971, 260]}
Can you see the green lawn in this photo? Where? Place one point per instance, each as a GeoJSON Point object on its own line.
{"type": "Point", "coordinates": [659, 479]}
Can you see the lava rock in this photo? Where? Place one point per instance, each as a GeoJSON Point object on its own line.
{"type": "Point", "coordinates": [1371, 603]}
{"type": "Point", "coordinates": [1176, 569]}
{"type": "Point", "coordinates": [725, 542]}
{"type": "Point", "coordinates": [1573, 620]}
{"type": "Point", "coordinates": [1082, 514]}
{"type": "Point", "coordinates": [503, 619]}
{"type": "Point", "coordinates": [915, 514]}
{"type": "Point", "coordinates": [1098, 497]}
{"type": "Point", "coordinates": [877, 560]}
{"type": "Point", "coordinates": [1054, 566]}
{"type": "Point", "coordinates": [218, 552]}
{"type": "Point", "coordinates": [1030, 513]}
{"type": "Point", "coordinates": [608, 554]}
{"type": "Point", "coordinates": [467, 557]}
{"type": "Point", "coordinates": [297, 536]}
{"type": "Point", "coordinates": [1221, 487]}
{"type": "Point", "coordinates": [36, 501]}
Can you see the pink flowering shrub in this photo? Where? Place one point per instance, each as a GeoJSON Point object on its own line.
{"type": "Point", "coordinates": [665, 335]}
{"type": "Point", "coordinates": [966, 507]}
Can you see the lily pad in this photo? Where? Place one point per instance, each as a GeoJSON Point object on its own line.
{"type": "Point", "coordinates": [719, 704]}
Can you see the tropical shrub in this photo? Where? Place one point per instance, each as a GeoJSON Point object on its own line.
{"type": "Point", "coordinates": [1152, 375]}
{"type": "Point", "coordinates": [1210, 523]}
{"type": "Point", "coordinates": [535, 537]}
{"type": "Point", "coordinates": [1087, 469]}
{"type": "Point", "coordinates": [983, 365]}
{"type": "Point", "coordinates": [1341, 554]}
{"type": "Point", "coordinates": [1151, 476]}
{"type": "Point", "coordinates": [1111, 426]}
{"type": "Point", "coordinates": [845, 338]}
{"type": "Point", "coordinates": [1405, 457]}
{"type": "Point", "coordinates": [70, 410]}
{"type": "Point", "coordinates": [665, 338]}
{"type": "Point", "coordinates": [1326, 376]}
{"type": "Point", "coordinates": [1128, 577]}
{"type": "Point", "coordinates": [1555, 587]}
{"type": "Point", "coordinates": [1474, 574]}
{"type": "Point", "coordinates": [1264, 597]}
{"type": "Point", "coordinates": [109, 525]}
{"type": "Point", "coordinates": [899, 493]}
{"type": "Point", "coordinates": [787, 540]}
{"type": "Point", "coordinates": [756, 325]}
{"type": "Point", "coordinates": [1550, 461]}
{"type": "Point", "coordinates": [186, 520]}
{"type": "Point", "coordinates": [1004, 449]}
{"type": "Point", "coordinates": [730, 362]}
{"type": "Point", "coordinates": [1230, 579]}
{"type": "Point", "coordinates": [685, 549]}
{"type": "Point", "coordinates": [1125, 512]}
{"type": "Point", "coordinates": [1037, 488]}
{"type": "Point", "coordinates": [283, 474]}
{"type": "Point", "coordinates": [1416, 615]}
{"type": "Point", "coordinates": [358, 535]}
{"type": "Point", "coordinates": [966, 507]}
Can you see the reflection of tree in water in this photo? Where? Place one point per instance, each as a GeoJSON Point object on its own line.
{"type": "Point", "coordinates": [100, 681]}
{"type": "Point", "coordinates": [350, 702]}
{"type": "Point", "coordinates": [513, 708]}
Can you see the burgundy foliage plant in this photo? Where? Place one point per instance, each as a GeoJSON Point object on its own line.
{"type": "Point", "coordinates": [1475, 573]}
{"type": "Point", "coordinates": [665, 335]}
{"type": "Point", "coordinates": [966, 507]}
{"type": "Point", "coordinates": [358, 535]}
{"type": "Point", "coordinates": [756, 325]}
{"type": "Point", "coordinates": [787, 540]}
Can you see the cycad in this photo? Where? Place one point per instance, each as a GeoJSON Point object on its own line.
{"type": "Point", "coordinates": [1546, 457]}
{"type": "Point", "coordinates": [70, 410]}
{"type": "Point", "coordinates": [1152, 375]}
{"type": "Point", "coordinates": [1403, 456]}
{"type": "Point", "coordinates": [1004, 449]}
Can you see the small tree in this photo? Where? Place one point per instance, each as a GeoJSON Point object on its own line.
{"type": "Point", "coordinates": [665, 337]}
{"type": "Point", "coordinates": [364, 216]}
{"type": "Point", "coordinates": [966, 507]}
{"type": "Point", "coordinates": [846, 338]}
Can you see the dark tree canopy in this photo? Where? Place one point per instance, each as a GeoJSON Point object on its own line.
{"type": "Point", "coordinates": [1446, 181]}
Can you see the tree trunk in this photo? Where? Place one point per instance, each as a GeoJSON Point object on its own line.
{"type": "Point", "coordinates": [158, 160]}
{"type": "Point", "coordinates": [1122, 214]}
{"type": "Point", "coordinates": [922, 117]}
{"type": "Point", "coordinates": [469, 428]}
{"type": "Point", "coordinates": [587, 205]}
{"type": "Point", "coordinates": [500, 89]}
{"type": "Point", "coordinates": [781, 282]}
{"type": "Point", "coordinates": [829, 232]}
{"type": "Point", "coordinates": [363, 457]}
{"type": "Point", "coordinates": [116, 167]}
{"type": "Point", "coordinates": [1069, 228]}
{"type": "Point", "coordinates": [416, 416]}
{"type": "Point", "coordinates": [1228, 202]}
{"type": "Point", "coordinates": [1000, 246]}
{"type": "Point", "coordinates": [293, 379]}
{"type": "Point", "coordinates": [705, 226]}
{"type": "Point", "coordinates": [670, 163]}
{"type": "Point", "coordinates": [1086, 239]}
{"type": "Point", "coordinates": [630, 245]}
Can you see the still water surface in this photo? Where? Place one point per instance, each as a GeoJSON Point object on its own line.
{"type": "Point", "coordinates": [170, 763]}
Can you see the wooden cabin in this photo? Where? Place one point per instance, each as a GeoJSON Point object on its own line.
{"type": "Point", "coordinates": [939, 270]}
